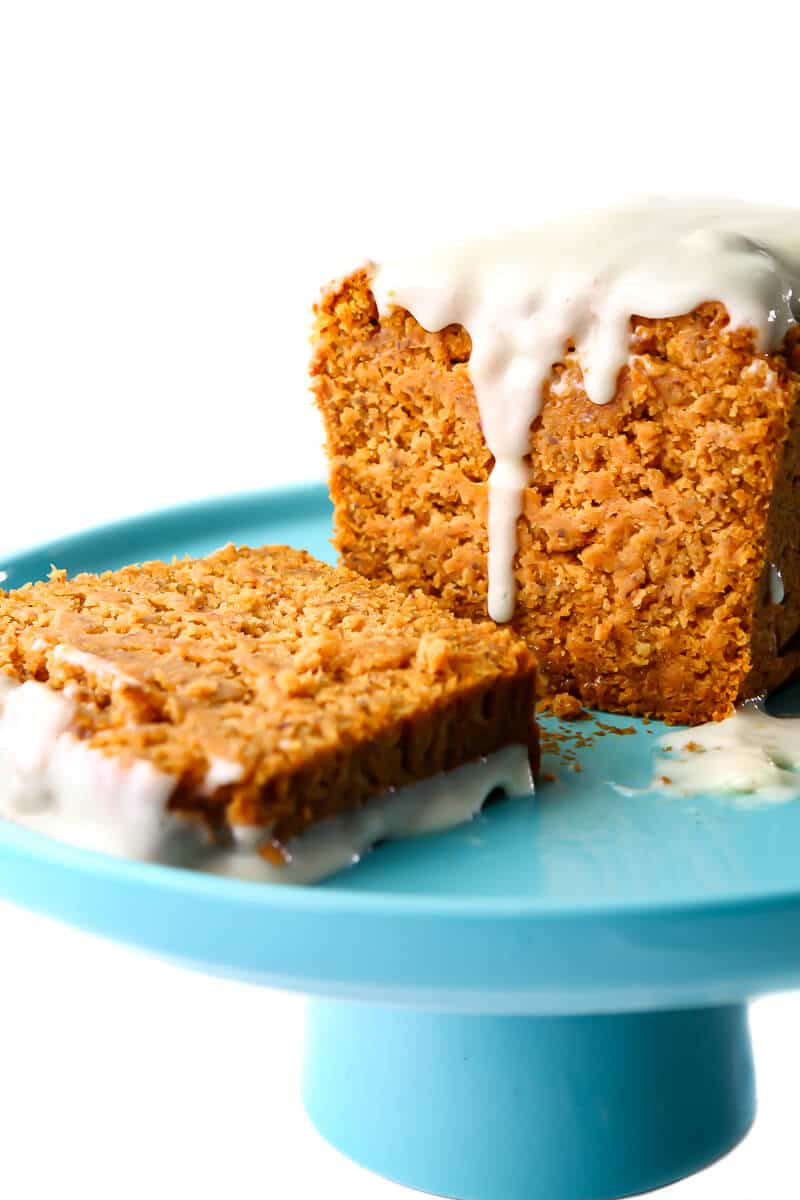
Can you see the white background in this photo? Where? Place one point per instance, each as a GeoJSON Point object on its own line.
{"type": "Point", "coordinates": [176, 182]}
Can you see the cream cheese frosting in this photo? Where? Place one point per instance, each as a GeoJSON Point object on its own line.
{"type": "Point", "coordinates": [750, 756]}
{"type": "Point", "coordinates": [777, 590]}
{"type": "Point", "coordinates": [524, 298]}
{"type": "Point", "coordinates": [448, 800]}
{"type": "Point", "coordinates": [55, 784]}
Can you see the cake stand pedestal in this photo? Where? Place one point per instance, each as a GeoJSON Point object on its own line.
{"type": "Point", "coordinates": [517, 1108]}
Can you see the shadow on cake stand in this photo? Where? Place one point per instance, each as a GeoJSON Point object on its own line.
{"type": "Point", "coordinates": [550, 1002]}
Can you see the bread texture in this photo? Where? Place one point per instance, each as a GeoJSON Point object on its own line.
{"type": "Point", "coordinates": [320, 688]}
{"type": "Point", "coordinates": [651, 527]}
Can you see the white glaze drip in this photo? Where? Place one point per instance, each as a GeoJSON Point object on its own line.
{"type": "Point", "coordinates": [221, 772]}
{"type": "Point", "coordinates": [777, 591]}
{"type": "Point", "coordinates": [751, 756]}
{"type": "Point", "coordinates": [93, 665]}
{"type": "Point", "coordinates": [524, 297]}
{"type": "Point", "coordinates": [54, 784]}
{"type": "Point", "coordinates": [437, 804]}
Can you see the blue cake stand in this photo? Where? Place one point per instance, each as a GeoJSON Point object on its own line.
{"type": "Point", "coordinates": [549, 1003]}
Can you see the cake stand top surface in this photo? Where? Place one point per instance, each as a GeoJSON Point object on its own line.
{"type": "Point", "coordinates": [580, 900]}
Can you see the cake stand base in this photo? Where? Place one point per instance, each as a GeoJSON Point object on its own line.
{"type": "Point", "coordinates": [521, 1108]}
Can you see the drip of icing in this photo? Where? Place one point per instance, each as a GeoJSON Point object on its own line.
{"type": "Point", "coordinates": [101, 668]}
{"type": "Point", "coordinates": [777, 592]}
{"type": "Point", "coordinates": [523, 298]}
{"type": "Point", "coordinates": [220, 773]}
{"type": "Point", "coordinates": [750, 756]}
{"type": "Point", "coordinates": [431, 806]}
{"type": "Point", "coordinates": [54, 784]}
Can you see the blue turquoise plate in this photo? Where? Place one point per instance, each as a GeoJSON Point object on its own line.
{"type": "Point", "coordinates": [583, 898]}
{"type": "Point", "coordinates": [582, 901]}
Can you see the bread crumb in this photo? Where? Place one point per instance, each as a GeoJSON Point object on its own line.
{"type": "Point", "coordinates": [433, 654]}
{"type": "Point", "coordinates": [565, 707]}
